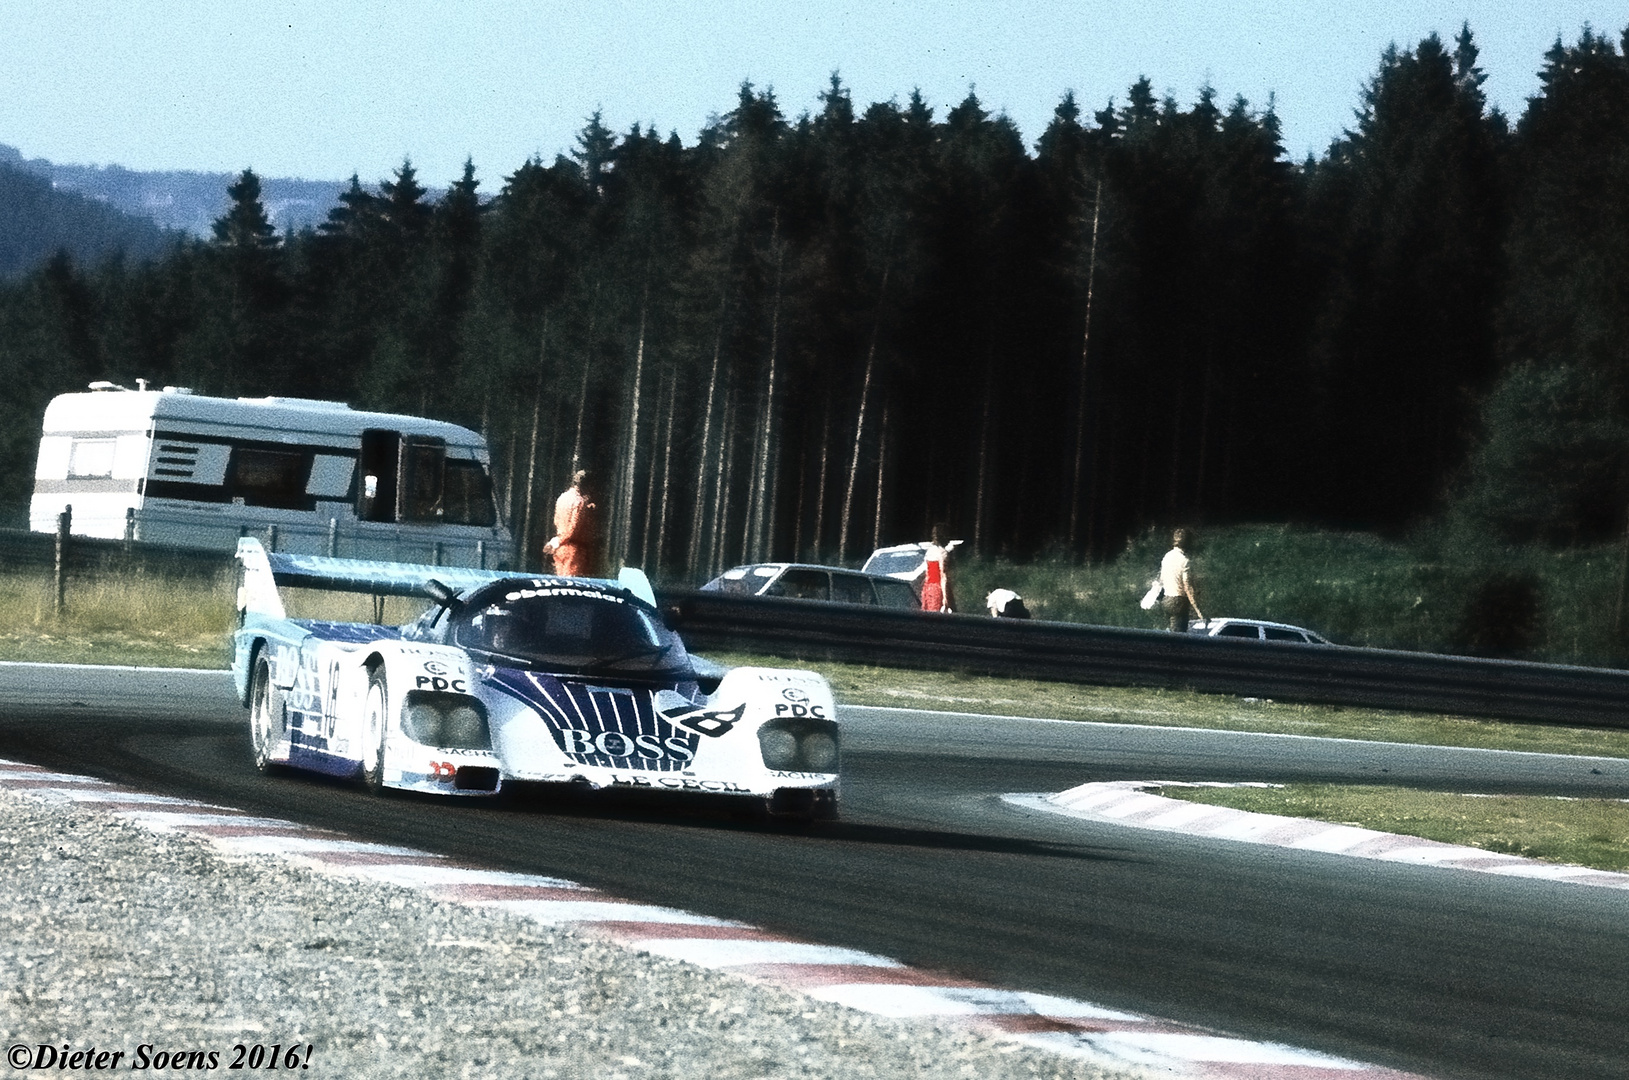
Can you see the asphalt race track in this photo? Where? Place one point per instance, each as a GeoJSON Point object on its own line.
{"type": "Point", "coordinates": [1442, 972]}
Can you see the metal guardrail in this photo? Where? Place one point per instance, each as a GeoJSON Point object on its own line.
{"type": "Point", "coordinates": [1059, 652]}
{"type": "Point", "coordinates": [1114, 656]}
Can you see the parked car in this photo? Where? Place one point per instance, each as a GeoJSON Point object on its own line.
{"type": "Point", "coordinates": [805, 581]}
{"type": "Point", "coordinates": [907, 562]}
{"type": "Point", "coordinates": [1257, 630]}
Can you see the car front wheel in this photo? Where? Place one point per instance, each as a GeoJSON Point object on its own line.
{"type": "Point", "coordinates": [268, 721]}
{"type": "Point", "coordinates": [377, 727]}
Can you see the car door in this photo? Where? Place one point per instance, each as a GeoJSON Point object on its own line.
{"type": "Point", "coordinates": [852, 589]}
{"type": "Point", "coordinates": [896, 595]}
{"type": "Point", "coordinates": [801, 583]}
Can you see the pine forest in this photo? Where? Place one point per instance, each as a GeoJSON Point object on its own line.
{"type": "Point", "coordinates": [802, 336]}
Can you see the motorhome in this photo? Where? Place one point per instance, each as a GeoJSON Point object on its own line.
{"type": "Point", "coordinates": [310, 477]}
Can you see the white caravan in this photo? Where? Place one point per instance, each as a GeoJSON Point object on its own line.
{"type": "Point", "coordinates": [309, 477]}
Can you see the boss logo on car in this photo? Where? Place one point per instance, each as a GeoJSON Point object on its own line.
{"type": "Point", "coordinates": [797, 678]}
{"type": "Point", "coordinates": [582, 744]}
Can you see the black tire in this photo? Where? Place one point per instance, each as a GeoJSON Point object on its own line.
{"type": "Point", "coordinates": [268, 719]}
{"type": "Point", "coordinates": [375, 726]}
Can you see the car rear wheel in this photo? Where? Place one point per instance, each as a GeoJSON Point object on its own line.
{"type": "Point", "coordinates": [376, 727]}
{"type": "Point", "coordinates": [268, 719]}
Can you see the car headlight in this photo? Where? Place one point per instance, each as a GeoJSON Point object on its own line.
{"type": "Point", "coordinates": [449, 720]}
{"type": "Point", "coordinates": [422, 722]}
{"type": "Point", "coordinates": [801, 744]}
{"type": "Point", "coordinates": [779, 747]}
{"type": "Point", "coordinates": [463, 726]}
{"type": "Point", "coordinates": [819, 751]}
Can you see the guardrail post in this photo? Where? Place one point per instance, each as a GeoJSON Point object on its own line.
{"type": "Point", "coordinates": [64, 527]}
{"type": "Point", "coordinates": [435, 555]}
{"type": "Point", "coordinates": [271, 537]}
{"type": "Point", "coordinates": [480, 554]}
{"type": "Point", "coordinates": [333, 537]}
{"type": "Point", "coordinates": [129, 528]}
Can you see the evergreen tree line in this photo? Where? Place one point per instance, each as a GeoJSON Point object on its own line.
{"type": "Point", "coordinates": [802, 337]}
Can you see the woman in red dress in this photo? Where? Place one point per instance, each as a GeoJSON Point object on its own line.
{"type": "Point", "coordinates": [936, 595]}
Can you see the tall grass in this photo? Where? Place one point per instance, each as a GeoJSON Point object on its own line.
{"type": "Point", "coordinates": [1433, 591]}
{"type": "Point", "coordinates": [115, 618]}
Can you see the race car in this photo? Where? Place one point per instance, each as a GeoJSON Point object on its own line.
{"type": "Point", "coordinates": [506, 678]}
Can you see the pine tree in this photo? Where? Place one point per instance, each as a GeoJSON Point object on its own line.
{"type": "Point", "coordinates": [245, 225]}
{"type": "Point", "coordinates": [1406, 339]}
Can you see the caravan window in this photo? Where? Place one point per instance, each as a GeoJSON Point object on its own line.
{"type": "Point", "coordinates": [467, 495]}
{"type": "Point", "coordinates": [91, 458]}
{"type": "Point", "coordinates": [275, 478]}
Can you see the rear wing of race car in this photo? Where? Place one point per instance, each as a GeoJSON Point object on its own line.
{"type": "Point", "coordinates": [265, 571]}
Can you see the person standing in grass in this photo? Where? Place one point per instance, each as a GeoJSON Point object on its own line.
{"type": "Point", "coordinates": [1176, 583]}
{"type": "Point", "coordinates": [936, 594]}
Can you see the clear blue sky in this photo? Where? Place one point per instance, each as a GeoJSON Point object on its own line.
{"type": "Point", "coordinates": [317, 90]}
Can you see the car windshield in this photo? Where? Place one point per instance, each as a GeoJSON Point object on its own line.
{"type": "Point", "coordinates": [564, 627]}
{"type": "Point", "coordinates": [743, 580]}
{"type": "Point", "coordinates": [894, 562]}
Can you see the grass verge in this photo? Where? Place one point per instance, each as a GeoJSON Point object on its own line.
{"type": "Point", "coordinates": [1577, 832]}
{"type": "Point", "coordinates": [117, 619]}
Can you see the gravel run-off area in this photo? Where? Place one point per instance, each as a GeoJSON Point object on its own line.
{"type": "Point", "coordinates": [116, 938]}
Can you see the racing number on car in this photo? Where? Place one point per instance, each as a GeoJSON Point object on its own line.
{"type": "Point", "coordinates": [330, 699]}
{"type": "Point", "coordinates": [443, 771]}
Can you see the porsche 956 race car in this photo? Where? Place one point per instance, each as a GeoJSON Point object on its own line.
{"type": "Point", "coordinates": [517, 678]}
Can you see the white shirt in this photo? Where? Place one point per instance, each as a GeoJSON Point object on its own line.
{"type": "Point", "coordinates": [1174, 573]}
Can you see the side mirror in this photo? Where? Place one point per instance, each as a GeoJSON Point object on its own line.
{"type": "Point", "coordinates": [443, 595]}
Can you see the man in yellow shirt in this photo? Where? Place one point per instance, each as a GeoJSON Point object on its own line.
{"type": "Point", "coordinates": [1176, 583]}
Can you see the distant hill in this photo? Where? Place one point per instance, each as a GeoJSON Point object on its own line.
{"type": "Point", "coordinates": [36, 220]}
{"type": "Point", "coordinates": [186, 201]}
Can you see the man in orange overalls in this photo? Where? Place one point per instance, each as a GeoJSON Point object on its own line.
{"type": "Point", "coordinates": [575, 546]}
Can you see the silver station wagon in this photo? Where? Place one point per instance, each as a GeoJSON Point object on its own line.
{"type": "Point", "coordinates": [804, 581]}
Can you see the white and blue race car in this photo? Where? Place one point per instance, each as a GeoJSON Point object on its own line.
{"type": "Point", "coordinates": [507, 678]}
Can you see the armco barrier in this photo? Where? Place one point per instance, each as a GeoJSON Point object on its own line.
{"type": "Point", "coordinates": [1505, 689]}
{"type": "Point", "coordinates": [1062, 652]}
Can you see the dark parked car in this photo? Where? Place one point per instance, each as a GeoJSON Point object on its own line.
{"type": "Point", "coordinates": [803, 581]}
